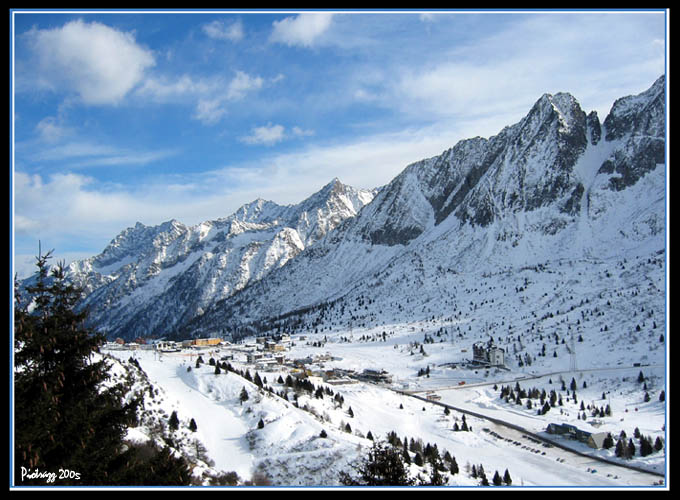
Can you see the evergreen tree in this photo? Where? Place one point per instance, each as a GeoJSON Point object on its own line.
{"type": "Point", "coordinates": [405, 455]}
{"type": "Point", "coordinates": [658, 444]}
{"type": "Point", "coordinates": [506, 478]}
{"type": "Point", "coordinates": [173, 422]}
{"type": "Point", "coordinates": [243, 396]}
{"type": "Point", "coordinates": [482, 475]}
{"type": "Point", "coordinates": [383, 466]}
{"type": "Point", "coordinates": [619, 451]}
{"type": "Point", "coordinates": [192, 425]}
{"type": "Point", "coordinates": [436, 478]}
{"type": "Point", "coordinates": [65, 416]}
{"type": "Point", "coordinates": [454, 466]}
{"type": "Point", "coordinates": [497, 480]}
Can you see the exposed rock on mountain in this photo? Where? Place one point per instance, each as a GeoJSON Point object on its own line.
{"type": "Point", "coordinates": [558, 185]}
{"type": "Point", "coordinates": [149, 280]}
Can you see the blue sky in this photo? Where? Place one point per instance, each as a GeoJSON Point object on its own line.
{"type": "Point", "coordinates": [121, 117]}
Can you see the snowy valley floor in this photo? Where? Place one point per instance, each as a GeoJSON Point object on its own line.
{"type": "Point", "coordinates": [287, 450]}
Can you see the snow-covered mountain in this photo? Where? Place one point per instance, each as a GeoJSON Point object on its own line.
{"type": "Point", "coordinates": [151, 279]}
{"type": "Point", "coordinates": [558, 185]}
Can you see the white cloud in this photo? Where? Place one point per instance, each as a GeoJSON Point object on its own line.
{"type": "Point", "coordinates": [303, 30]}
{"type": "Point", "coordinates": [77, 154]}
{"type": "Point", "coordinates": [209, 111]}
{"type": "Point", "coordinates": [168, 89]}
{"type": "Point", "coordinates": [98, 64]}
{"type": "Point", "coordinates": [50, 131]}
{"type": "Point", "coordinates": [218, 30]}
{"type": "Point", "coordinates": [241, 84]}
{"type": "Point", "coordinates": [267, 135]}
{"type": "Point", "coordinates": [298, 132]}
{"type": "Point", "coordinates": [209, 95]}
{"type": "Point", "coordinates": [65, 208]}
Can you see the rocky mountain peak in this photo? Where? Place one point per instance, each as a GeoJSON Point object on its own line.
{"type": "Point", "coordinates": [642, 114]}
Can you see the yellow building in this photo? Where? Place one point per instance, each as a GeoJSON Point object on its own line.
{"type": "Point", "coordinates": [206, 342]}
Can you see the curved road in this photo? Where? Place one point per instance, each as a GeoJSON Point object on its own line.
{"type": "Point", "coordinates": [516, 434]}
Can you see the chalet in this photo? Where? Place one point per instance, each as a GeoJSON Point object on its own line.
{"type": "Point", "coordinates": [594, 440]}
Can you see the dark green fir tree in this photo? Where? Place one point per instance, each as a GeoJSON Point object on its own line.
{"type": "Point", "coordinates": [66, 415]}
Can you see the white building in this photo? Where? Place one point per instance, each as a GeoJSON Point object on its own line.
{"type": "Point", "coordinates": [487, 353]}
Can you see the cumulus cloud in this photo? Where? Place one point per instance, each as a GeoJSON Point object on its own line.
{"type": "Point", "coordinates": [97, 63]}
{"type": "Point", "coordinates": [218, 30]}
{"type": "Point", "coordinates": [303, 30]}
{"type": "Point", "coordinates": [268, 135]}
{"type": "Point", "coordinates": [209, 95]}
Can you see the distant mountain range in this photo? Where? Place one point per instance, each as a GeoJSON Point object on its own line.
{"type": "Point", "coordinates": [558, 185]}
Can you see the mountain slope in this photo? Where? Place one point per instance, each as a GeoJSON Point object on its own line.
{"type": "Point", "coordinates": [148, 280]}
{"type": "Point", "coordinates": [557, 185]}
